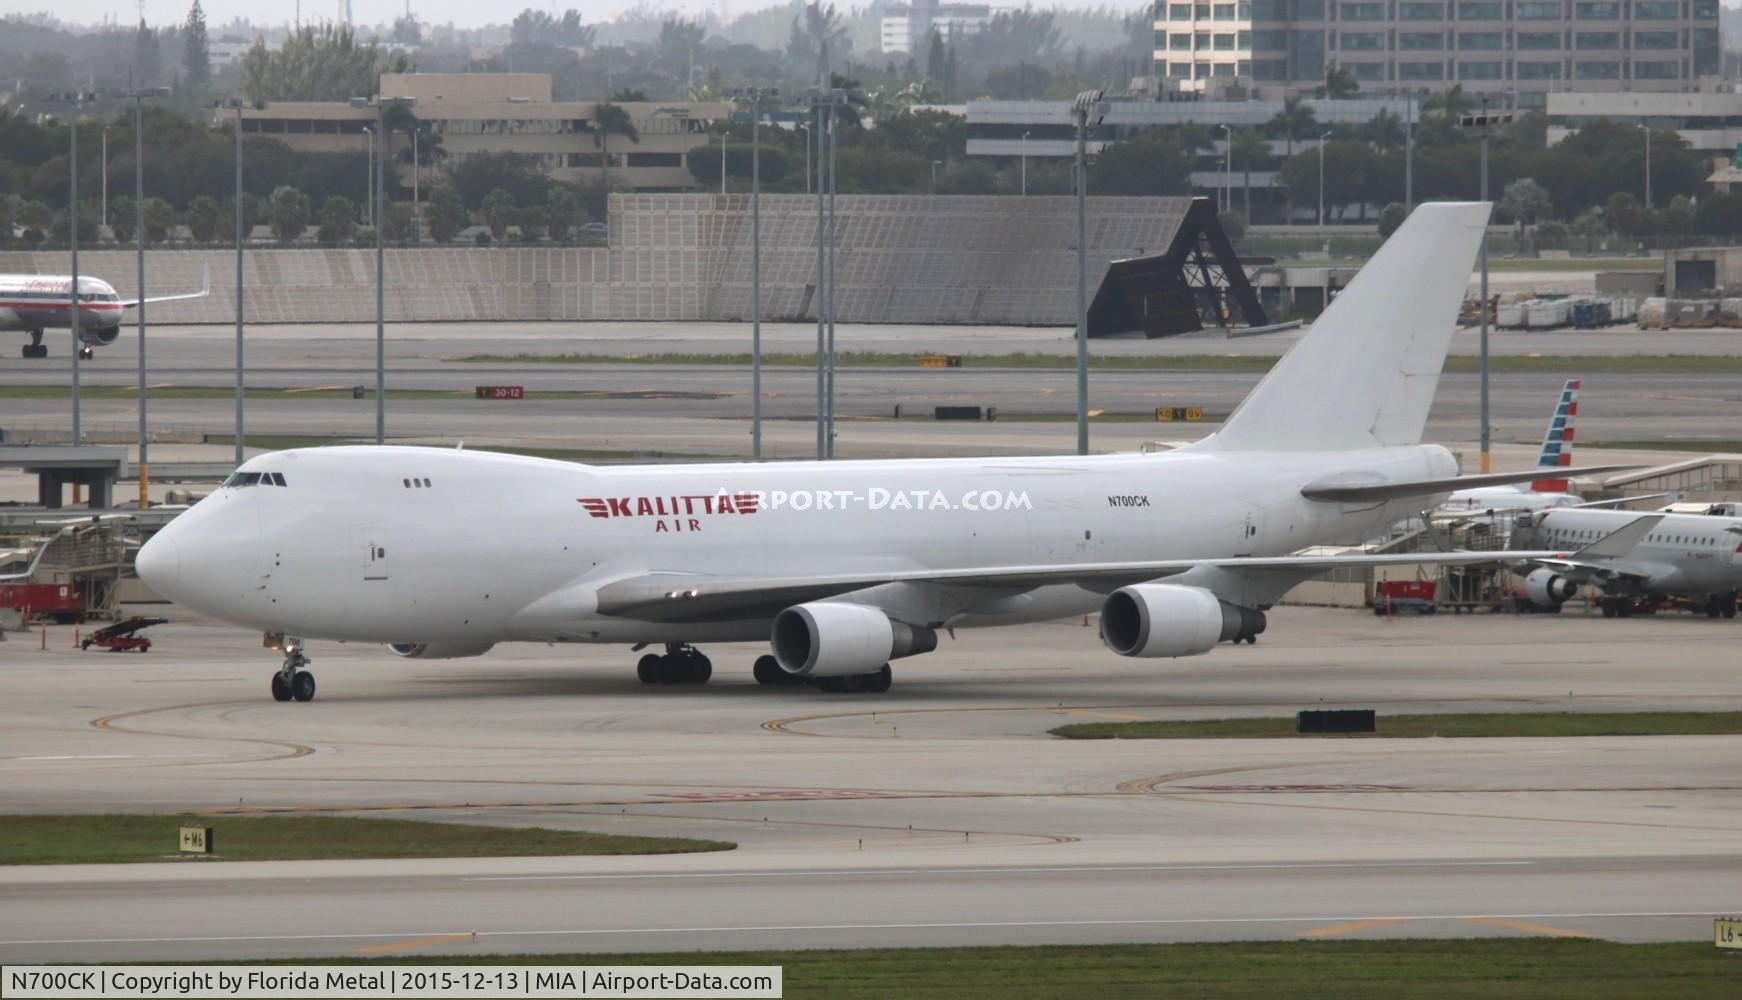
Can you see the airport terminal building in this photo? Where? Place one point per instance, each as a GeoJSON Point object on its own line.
{"type": "Point", "coordinates": [505, 113]}
{"type": "Point", "coordinates": [1527, 47]}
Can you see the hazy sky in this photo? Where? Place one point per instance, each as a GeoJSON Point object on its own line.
{"type": "Point", "coordinates": [462, 12]}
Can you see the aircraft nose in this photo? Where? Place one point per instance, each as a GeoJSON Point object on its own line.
{"type": "Point", "coordinates": [159, 563]}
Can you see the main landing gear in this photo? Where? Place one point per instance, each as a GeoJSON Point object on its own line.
{"type": "Point", "coordinates": [680, 664]}
{"type": "Point", "coordinates": [292, 681]}
{"type": "Point", "coordinates": [86, 353]}
{"type": "Point", "coordinates": [36, 348]}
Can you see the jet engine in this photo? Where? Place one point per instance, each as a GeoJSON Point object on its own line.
{"type": "Point", "coordinates": [840, 640]}
{"type": "Point", "coordinates": [1547, 589]}
{"type": "Point", "coordinates": [1165, 619]}
{"type": "Point", "coordinates": [99, 336]}
{"type": "Point", "coordinates": [439, 650]}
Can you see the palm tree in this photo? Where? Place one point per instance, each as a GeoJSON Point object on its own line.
{"type": "Point", "coordinates": [1384, 131]}
{"type": "Point", "coordinates": [1452, 103]}
{"type": "Point", "coordinates": [609, 118]}
{"type": "Point", "coordinates": [1248, 146]}
{"type": "Point", "coordinates": [1339, 83]}
{"type": "Point", "coordinates": [826, 32]}
{"type": "Point", "coordinates": [1296, 116]}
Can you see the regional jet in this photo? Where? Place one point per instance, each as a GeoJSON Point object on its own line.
{"type": "Point", "coordinates": [1626, 556]}
{"type": "Point", "coordinates": [845, 566]}
{"type": "Point", "coordinates": [38, 302]}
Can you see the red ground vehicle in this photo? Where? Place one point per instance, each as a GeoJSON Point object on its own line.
{"type": "Point", "coordinates": [56, 602]}
{"type": "Point", "coordinates": [124, 636]}
{"type": "Point", "coordinates": [1391, 597]}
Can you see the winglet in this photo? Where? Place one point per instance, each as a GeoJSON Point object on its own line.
{"type": "Point", "coordinates": [1620, 541]}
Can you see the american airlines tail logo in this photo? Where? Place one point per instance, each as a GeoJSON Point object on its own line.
{"type": "Point", "coordinates": [672, 506]}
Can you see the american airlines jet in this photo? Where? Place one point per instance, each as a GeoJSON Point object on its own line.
{"type": "Point", "coordinates": [845, 566]}
{"type": "Point", "coordinates": [1556, 456]}
{"type": "Point", "coordinates": [38, 302]}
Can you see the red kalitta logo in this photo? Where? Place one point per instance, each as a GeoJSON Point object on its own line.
{"type": "Point", "coordinates": [673, 513]}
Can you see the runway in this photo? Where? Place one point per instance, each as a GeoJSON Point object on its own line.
{"type": "Point", "coordinates": [939, 814]}
{"type": "Point", "coordinates": [694, 409]}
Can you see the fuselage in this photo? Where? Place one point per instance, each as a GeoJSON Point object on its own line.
{"type": "Point", "coordinates": [1688, 554]}
{"type": "Point", "coordinates": [39, 302]}
{"type": "Point", "coordinates": [433, 545]}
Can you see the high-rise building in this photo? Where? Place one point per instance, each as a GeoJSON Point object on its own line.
{"type": "Point", "coordinates": [1526, 47]}
{"type": "Point", "coordinates": [908, 26]}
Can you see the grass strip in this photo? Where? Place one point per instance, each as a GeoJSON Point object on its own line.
{"type": "Point", "coordinates": [1233, 362]}
{"type": "Point", "coordinates": [1533, 968]}
{"type": "Point", "coordinates": [1419, 726]}
{"type": "Point", "coordinates": [46, 840]}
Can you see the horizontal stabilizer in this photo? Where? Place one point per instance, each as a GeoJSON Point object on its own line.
{"type": "Point", "coordinates": [1351, 492]}
{"type": "Point", "coordinates": [1614, 502]}
{"type": "Point", "coordinates": [1620, 541]}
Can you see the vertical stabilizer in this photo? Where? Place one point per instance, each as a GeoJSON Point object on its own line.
{"type": "Point", "coordinates": [1557, 442]}
{"type": "Point", "coordinates": [1365, 374]}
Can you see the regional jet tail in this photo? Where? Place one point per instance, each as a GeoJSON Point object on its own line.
{"type": "Point", "coordinates": [842, 567]}
{"type": "Point", "coordinates": [37, 302]}
{"type": "Point", "coordinates": [1552, 463]}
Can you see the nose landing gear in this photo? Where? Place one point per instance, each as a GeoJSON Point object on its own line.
{"type": "Point", "coordinates": [292, 682]}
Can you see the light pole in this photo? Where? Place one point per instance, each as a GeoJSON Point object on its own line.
{"type": "Point", "coordinates": [722, 161]}
{"type": "Point", "coordinates": [416, 230]}
{"type": "Point", "coordinates": [822, 110]}
{"type": "Point", "coordinates": [1025, 136]}
{"type": "Point", "coordinates": [757, 96]}
{"type": "Point", "coordinates": [379, 182]}
{"type": "Point", "coordinates": [1409, 157]}
{"type": "Point", "coordinates": [139, 245]}
{"type": "Point", "coordinates": [369, 188]}
{"type": "Point", "coordinates": [1228, 170]}
{"type": "Point", "coordinates": [75, 319]}
{"type": "Point", "coordinates": [756, 276]}
{"type": "Point", "coordinates": [826, 104]}
{"type": "Point", "coordinates": [1322, 140]}
{"type": "Point", "coordinates": [935, 164]}
{"type": "Point", "coordinates": [1089, 109]}
{"type": "Point", "coordinates": [103, 219]}
{"type": "Point", "coordinates": [806, 129]}
{"type": "Point", "coordinates": [1482, 122]}
{"type": "Point", "coordinates": [1647, 125]}
{"type": "Point", "coordinates": [241, 239]}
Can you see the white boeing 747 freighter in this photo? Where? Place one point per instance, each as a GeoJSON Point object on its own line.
{"type": "Point", "coordinates": [845, 566]}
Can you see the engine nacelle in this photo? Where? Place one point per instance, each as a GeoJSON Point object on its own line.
{"type": "Point", "coordinates": [1164, 619]}
{"type": "Point", "coordinates": [439, 650]}
{"type": "Point", "coordinates": [1548, 589]}
{"type": "Point", "coordinates": [840, 640]}
{"type": "Point", "coordinates": [99, 336]}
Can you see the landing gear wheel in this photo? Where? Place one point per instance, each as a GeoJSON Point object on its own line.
{"type": "Point", "coordinates": [86, 354]}
{"type": "Point", "coordinates": [879, 682]}
{"type": "Point", "coordinates": [36, 348]}
{"type": "Point", "coordinates": [649, 668]}
{"type": "Point", "coordinates": [280, 688]}
{"type": "Point", "coordinates": [1608, 606]}
{"type": "Point", "coordinates": [302, 686]}
{"type": "Point", "coordinates": [768, 673]}
{"type": "Point", "coordinates": [698, 669]}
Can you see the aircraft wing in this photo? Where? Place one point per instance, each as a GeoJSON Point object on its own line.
{"type": "Point", "coordinates": [677, 597]}
{"type": "Point", "coordinates": [205, 290]}
{"type": "Point", "coordinates": [1349, 491]}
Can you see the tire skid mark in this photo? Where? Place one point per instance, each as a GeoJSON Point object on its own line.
{"type": "Point", "coordinates": [112, 723]}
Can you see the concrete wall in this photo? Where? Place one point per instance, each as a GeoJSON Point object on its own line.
{"type": "Point", "coordinates": [901, 259]}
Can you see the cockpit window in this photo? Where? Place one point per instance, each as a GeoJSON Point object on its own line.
{"type": "Point", "coordinates": [238, 480]}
